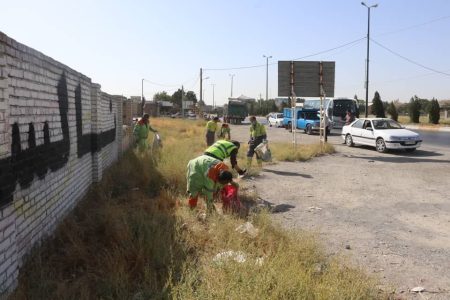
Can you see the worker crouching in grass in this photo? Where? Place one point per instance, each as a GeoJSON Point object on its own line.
{"type": "Point", "coordinates": [225, 132]}
{"type": "Point", "coordinates": [257, 136]}
{"type": "Point", "coordinates": [226, 149]}
{"type": "Point", "coordinates": [205, 177]}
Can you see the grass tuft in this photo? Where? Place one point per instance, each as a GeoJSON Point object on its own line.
{"type": "Point", "coordinates": [286, 151]}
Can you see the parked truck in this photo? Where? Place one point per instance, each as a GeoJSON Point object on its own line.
{"type": "Point", "coordinates": [308, 120]}
{"type": "Point", "coordinates": [235, 112]}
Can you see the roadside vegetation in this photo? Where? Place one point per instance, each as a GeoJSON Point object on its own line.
{"type": "Point", "coordinates": [133, 237]}
{"type": "Point", "coordinates": [287, 152]}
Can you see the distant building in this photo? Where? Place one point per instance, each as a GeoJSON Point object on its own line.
{"type": "Point", "coordinates": [445, 108]}
{"type": "Point", "coordinates": [131, 108]}
{"type": "Point", "coordinates": [243, 98]}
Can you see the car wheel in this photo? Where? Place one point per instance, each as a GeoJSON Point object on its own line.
{"type": "Point", "coordinates": [289, 126]}
{"type": "Point", "coordinates": [409, 150]}
{"type": "Point", "coordinates": [349, 140]}
{"type": "Point", "coordinates": [381, 146]}
{"type": "Point", "coordinates": [270, 124]}
{"type": "Point", "coordinates": [308, 129]}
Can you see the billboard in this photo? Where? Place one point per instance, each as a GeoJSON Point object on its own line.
{"type": "Point", "coordinates": [306, 78]}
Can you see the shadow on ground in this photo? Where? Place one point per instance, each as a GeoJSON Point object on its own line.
{"type": "Point", "coordinates": [286, 173]}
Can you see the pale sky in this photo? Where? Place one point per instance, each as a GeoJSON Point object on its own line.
{"type": "Point", "coordinates": [117, 43]}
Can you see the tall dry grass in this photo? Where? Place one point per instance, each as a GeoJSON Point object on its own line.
{"type": "Point", "coordinates": [279, 264]}
{"type": "Point", "coordinates": [287, 152]}
{"type": "Point", "coordinates": [131, 239]}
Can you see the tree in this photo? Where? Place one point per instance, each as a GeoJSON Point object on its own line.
{"type": "Point", "coordinates": [377, 106]}
{"type": "Point", "coordinates": [392, 111]}
{"type": "Point", "coordinates": [190, 96]}
{"type": "Point", "coordinates": [434, 113]}
{"type": "Point", "coordinates": [424, 105]}
{"type": "Point", "coordinates": [414, 109]}
{"type": "Point", "coordinates": [162, 96]}
{"type": "Point", "coordinates": [176, 97]}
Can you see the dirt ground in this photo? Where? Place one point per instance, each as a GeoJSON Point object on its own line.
{"type": "Point", "coordinates": [388, 213]}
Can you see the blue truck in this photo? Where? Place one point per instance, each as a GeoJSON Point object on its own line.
{"type": "Point", "coordinates": [307, 119]}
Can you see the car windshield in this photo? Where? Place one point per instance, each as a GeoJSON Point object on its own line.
{"type": "Point", "coordinates": [386, 124]}
{"type": "Point", "coordinates": [279, 116]}
{"type": "Point", "coordinates": [342, 106]}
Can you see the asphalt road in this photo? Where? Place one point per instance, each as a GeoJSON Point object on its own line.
{"type": "Point", "coordinates": [388, 213]}
{"type": "Point", "coordinates": [435, 138]}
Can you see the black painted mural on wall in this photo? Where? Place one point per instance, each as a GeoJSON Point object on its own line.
{"type": "Point", "coordinates": [23, 165]}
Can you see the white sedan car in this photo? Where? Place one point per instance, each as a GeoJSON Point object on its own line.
{"type": "Point", "coordinates": [275, 119]}
{"type": "Point", "coordinates": [383, 134]}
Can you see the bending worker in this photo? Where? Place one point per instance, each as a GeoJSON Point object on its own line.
{"type": "Point", "coordinates": [211, 128]}
{"type": "Point", "coordinates": [225, 132]}
{"type": "Point", "coordinates": [257, 136]}
{"type": "Point", "coordinates": [205, 176]}
{"type": "Point", "coordinates": [140, 132]}
{"type": "Point", "coordinates": [223, 149]}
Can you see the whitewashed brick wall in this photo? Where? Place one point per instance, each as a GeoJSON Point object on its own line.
{"type": "Point", "coordinates": [29, 97]}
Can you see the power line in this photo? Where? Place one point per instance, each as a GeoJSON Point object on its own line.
{"type": "Point", "coordinates": [329, 50]}
{"type": "Point", "coordinates": [409, 60]}
{"type": "Point", "coordinates": [306, 56]}
{"type": "Point", "coordinates": [413, 26]}
{"type": "Point", "coordinates": [169, 85]}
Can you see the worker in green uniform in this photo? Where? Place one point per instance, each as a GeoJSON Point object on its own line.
{"type": "Point", "coordinates": [140, 132]}
{"type": "Point", "coordinates": [226, 149]}
{"type": "Point", "coordinates": [257, 136]}
{"type": "Point", "coordinates": [211, 128]}
{"type": "Point", "coordinates": [225, 132]}
{"type": "Point", "coordinates": [205, 176]}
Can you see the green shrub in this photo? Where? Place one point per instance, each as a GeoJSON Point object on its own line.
{"type": "Point", "coordinates": [434, 113]}
{"type": "Point", "coordinates": [392, 111]}
{"type": "Point", "coordinates": [377, 106]}
{"type": "Point", "coordinates": [414, 109]}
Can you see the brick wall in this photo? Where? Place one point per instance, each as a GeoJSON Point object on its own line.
{"type": "Point", "coordinates": [58, 133]}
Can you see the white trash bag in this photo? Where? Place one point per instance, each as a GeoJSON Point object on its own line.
{"type": "Point", "coordinates": [263, 151]}
{"type": "Point", "coordinates": [157, 143]}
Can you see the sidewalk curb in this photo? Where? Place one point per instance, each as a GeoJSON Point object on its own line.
{"type": "Point", "coordinates": [421, 127]}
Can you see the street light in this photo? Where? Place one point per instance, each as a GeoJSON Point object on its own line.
{"type": "Point", "coordinates": [203, 91]}
{"type": "Point", "coordinates": [267, 76]}
{"type": "Point", "coordinates": [367, 59]}
{"type": "Point", "coordinates": [231, 75]}
{"type": "Point", "coordinates": [213, 85]}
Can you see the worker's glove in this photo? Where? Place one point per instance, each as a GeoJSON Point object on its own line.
{"type": "Point", "coordinates": [242, 172]}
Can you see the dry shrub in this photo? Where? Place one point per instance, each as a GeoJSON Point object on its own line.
{"type": "Point", "coordinates": [287, 152]}
{"type": "Point", "coordinates": [120, 240]}
{"type": "Point", "coordinates": [293, 265]}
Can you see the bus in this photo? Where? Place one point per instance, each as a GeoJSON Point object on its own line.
{"type": "Point", "coordinates": [335, 109]}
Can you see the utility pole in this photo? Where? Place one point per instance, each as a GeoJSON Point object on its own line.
{"type": "Point", "coordinates": [201, 84]}
{"type": "Point", "coordinates": [267, 76]}
{"type": "Point", "coordinates": [213, 85]}
{"type": "Point", "coordinates": [182, 103]}
{"type": "Point", "coordinates": [142, 96]}
{"type": "Point", "coordinates": [367, 59]}
{"type": "Point", "coordinates": [231, 75]}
